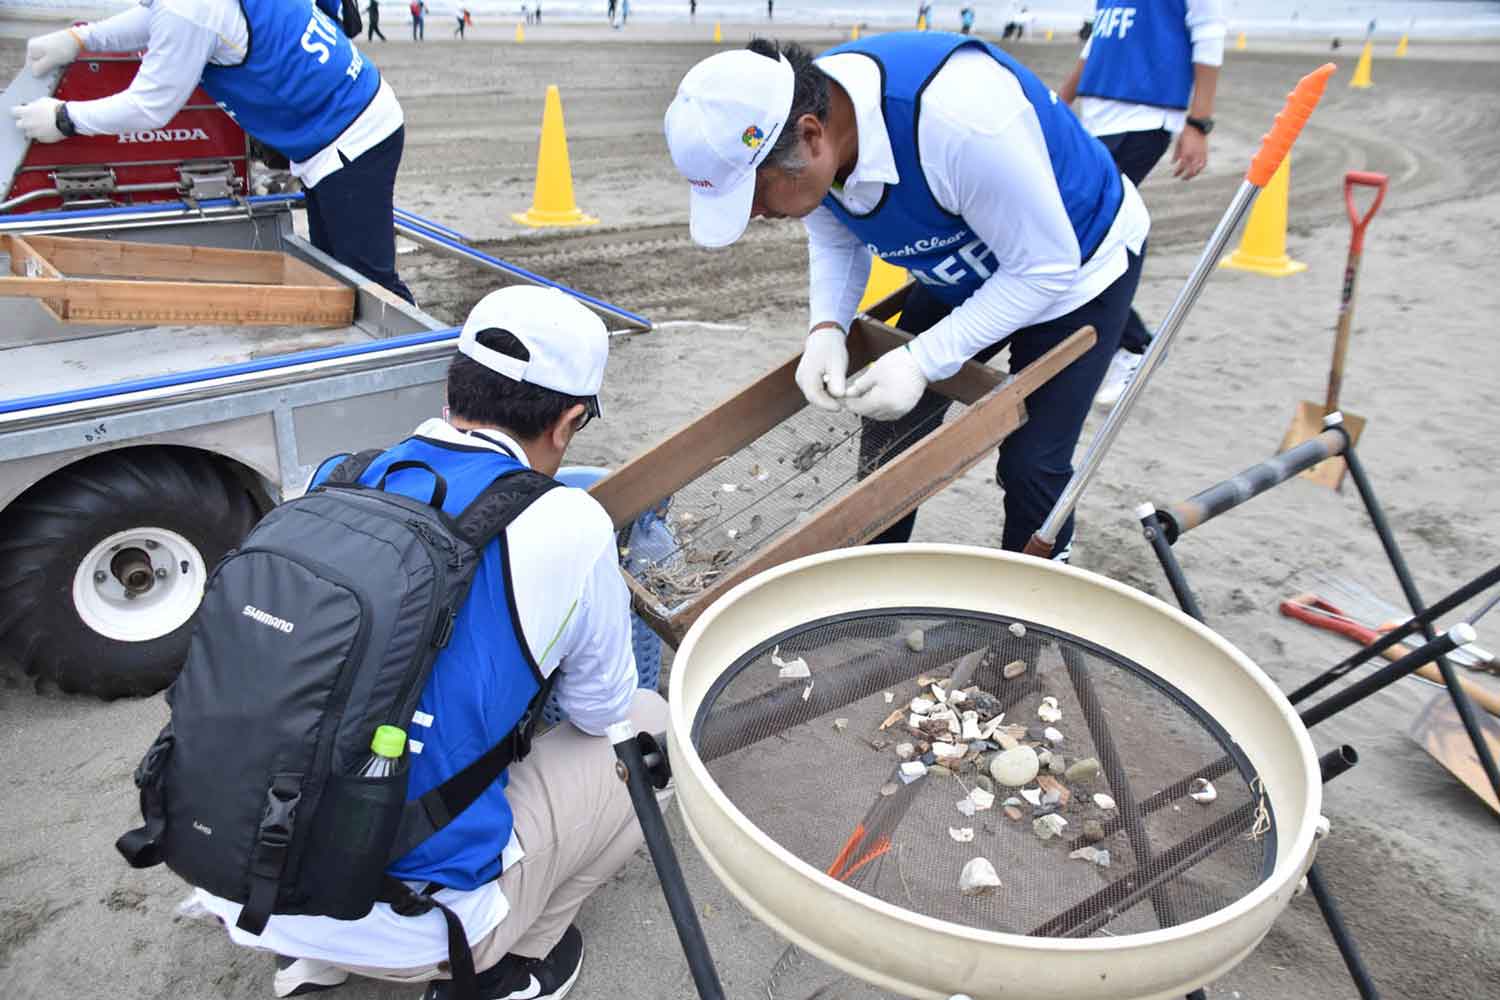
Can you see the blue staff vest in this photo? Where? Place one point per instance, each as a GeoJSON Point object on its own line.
{"type": "Point", "coordinates": [480, 684]}
{"type": "Point", "coordinates": [909, 228]}
{"type": "Point", "coordinates": [301, 82]}
{"type": "Point", "coordinates": [1140, 53]}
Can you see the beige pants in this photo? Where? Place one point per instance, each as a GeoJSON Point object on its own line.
{"type": "Point", "coordinates": [575, 822]}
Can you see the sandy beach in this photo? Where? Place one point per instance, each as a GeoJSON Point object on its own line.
{"type": "Point", "coordinates": [1411, 856]}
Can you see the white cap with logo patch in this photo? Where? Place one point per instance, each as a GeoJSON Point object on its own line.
{"type": "Point", "coordinates": [728, 113]}
{"type": "Point", "coordinates": [568, 343]}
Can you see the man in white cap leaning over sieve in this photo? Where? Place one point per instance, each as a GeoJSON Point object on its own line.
{"type": "Point", "coordinates": [941, 154]}
{"type": "Point", "coordinates": [548, 598]}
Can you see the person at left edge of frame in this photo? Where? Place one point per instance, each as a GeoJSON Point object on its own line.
{"type": "Point", "coordinates": [306, 91]}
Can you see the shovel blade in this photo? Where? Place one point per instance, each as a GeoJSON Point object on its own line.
{"type": "Point", "coordinates": [1440, 732]}
{"type": "Point", "coordinates": [1307, 423]}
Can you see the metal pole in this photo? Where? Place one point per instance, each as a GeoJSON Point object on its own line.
{"type": "Point", "coordinates": [1156, 534]}
{"type": "Point", "coordinates": [632, 768]}
{"type": "Point", "coordinates": [1341, 936]}
{"type": "Point", "coordinates": [1459, 635]}
{"type": "Point", "coordinates": [1207, 261]}
{"type": "Point", "coordinates": [1413, 599]}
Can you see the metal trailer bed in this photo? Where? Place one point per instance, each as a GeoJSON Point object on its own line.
{"type": "Point", "coordinates": [132, 457]}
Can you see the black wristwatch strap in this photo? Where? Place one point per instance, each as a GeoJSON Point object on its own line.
{"type": "Point", "coordinates": [1204, 125]}
{"type": "Point", "coordinates": [64, 123]}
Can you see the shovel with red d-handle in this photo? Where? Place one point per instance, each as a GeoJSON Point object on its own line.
{"type": "Point", "coordinates": [1307, 422]}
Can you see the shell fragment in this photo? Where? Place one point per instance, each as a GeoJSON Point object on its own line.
{"type": "Point", "coordinates": [978, 876]}
{"type": "Point", "coordinates": [962, 835]}
{"type": "Point", "coordinates": [1202, 791]}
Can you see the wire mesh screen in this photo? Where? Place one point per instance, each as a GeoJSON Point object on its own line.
{"type": "Point", "coordinates": [800, 465]}
{"type": "Point", "coordinates": [996, 774]}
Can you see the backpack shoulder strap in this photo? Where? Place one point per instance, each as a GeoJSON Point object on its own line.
{"type": "Point", "coordinates": [351, 468]}
{"type": "Point", "coordinates": [500, 503]}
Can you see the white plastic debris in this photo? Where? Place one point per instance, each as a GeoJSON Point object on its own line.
{"type": "Point", "coordinates": [957, 697]}
{"type": "Point", "coordinates": [841, 724]}
{"type": "Point", "coordinates": [733, 533]}
{"type": "Point", "coordinates": [1032, 795]}
{"type": "Point", "coordinates": [966, 807]}
{"type": "Point", "coordinates": [922, 705]}
{"type": "Point", "coordinates": [1202, 791]}
{"type": "Point", "coordinates": [962, 834]}
{"type": "Point", "coordinates": [970, 726]}
{"type": "Point", "coordinates": [790, 669]}
{"type": "Point", "coordinates": [1052, 735]}
{"type": "Point", "coordinates": [1048, 711]}
{"type": "Point", "coordinates": [940, 693]}
{"type": "Point", "coordinates": [978, 876]}
{"type": "Point", "coordinates": [758, 473]}
{"type": "Point", "coordinates": [1103, 801]}
{"type": "Point", "coordinates": [912, 770]}
{"type": "Point", "coordinates": [1093, 855]}
{"type": "Point", "coordinates": [981, 799]}
{"type": "Point", "coordinates": [915, 721]}
{"type": "Point", "coordinates": [1018, 630]}
{"type": "Point", "coordinates": [948, 717]}
{"type": "Point", "coordinates": [730, 487]}
{"type": "Point", "coordinates": [890, 696]}
{"type": "Point", "coordinates": [807, 691]}
{"type": "Point", "coordinates": [948, 751]}
{"type": "Point", "coordinates": [1048, 826]}
{"type": "Point", "coordinates": [905, 751]}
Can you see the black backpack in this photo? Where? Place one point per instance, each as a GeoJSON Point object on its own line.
{"type": "Point", "coordinates": [322, 626]}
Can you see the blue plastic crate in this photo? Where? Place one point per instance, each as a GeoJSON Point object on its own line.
{"type": "Point", "coordinates": [649, 530]}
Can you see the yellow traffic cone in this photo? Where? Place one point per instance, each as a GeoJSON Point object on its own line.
{"type": "Point", "coordinates": [854, 33]}
{"type": "Point", "coordinates": [884, 279]}
{"type": "Point", "coordinates": [1401, 48]}
{"type": "Point", "coordinates": [1239, 43]}
{"type": "Point", "coordinates": [1049, 34]}
{"type": "Point", "coordinates": [1361, 77]}
{"type": "Point", "coordinates": [1262, 248]}
{"type": "Point", "coordinates": [553, 204]}
{"type": "Point", "coordinates": [921, 22]}
{"type": "Point", "coordinates": [718, 33]}
{"type": "Point", "coordinates": [520, 32]}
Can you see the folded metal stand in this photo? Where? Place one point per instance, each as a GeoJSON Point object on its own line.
{"type": "Point", "coordinates": [1163, 528]}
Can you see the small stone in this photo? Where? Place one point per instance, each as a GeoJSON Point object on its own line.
{"type": "Point", "coordinates": [1093, 855]}
{"type": "Point", "coordinates": [1103, 801]}
{"type": "Point", "coordinates": [983, 746]}
{"type": "Point", "coordinates": [986, 703]}
{"type": "Point", "coordinates": [905, 751]}
{"type": "Point", "coordinates": [1032, 795]}
{"type": "Point", "coordinates": [1014, 768]}
{"type": "Point", "coordinates": [1013, 669]}
{"type": "Point", "coordinates": [1011, 812]}
{"type": "Point", "coordinates": [985, 782]}
{"type": "Point", "coordinates": [1052, 735]}
{"type": "Point", "coordinates": [1048, 826]}
{"type": "Point", "coordinates": [1036, 734]}
{"type": "Point", "coordinates": [1202, 791]}
{"type": "Point", "coordinates": [879, 744]}
{"type": "Point", "coordinates": [940, 771]}
{"type": "Point", "coordinates": [1058, 764]}
{"type": "Point", "coordinates": [1044, 756]}
{"type": "Point", "coordinates": [1083, 770]}
{"type": "Point", "coordinates": [889, 788]}
{"type": "Point", "coordinates": [841, 724]}
{"type": "Point", "coordinates": [1006, 741]}
{"type": "Point", "coordinates": [978, 876]}
{"type": "Point", "coordinates": [929, 758]}
{"type": "Point", "coordinates": [1048, 711]}
{"type": "Point", "coordinates": [1093, 831]}
{"type": "Point", "coordinates": [1018, 630]}
{"type": "Point", "coordinates": [1012, 801]}
{"type": "Point", "coordinates": [912, 770]}
{"type": "Point", "coordinates": [915, 640]}
{"type": "Point", "coordinates": [1050, 786]}
{"type": "Point", "coordinates": [1051, 799]}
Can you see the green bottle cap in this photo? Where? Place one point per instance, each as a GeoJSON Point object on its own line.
{"type": "Point", "coordinates": [389, 741]}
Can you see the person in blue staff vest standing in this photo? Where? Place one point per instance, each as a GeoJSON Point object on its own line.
{"type": "Point", "coordinates": [289, 75]}
{"type": "Point", "coordinates": [1148, 72]}
{"type": "Point", "coordinates": [943, 155]}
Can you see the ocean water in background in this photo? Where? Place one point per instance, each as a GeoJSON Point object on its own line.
{"type": "Point", "coordinates": [1466, 19]}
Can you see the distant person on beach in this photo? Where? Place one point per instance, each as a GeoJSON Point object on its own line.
{"type": "Point", "coordinates": [536, 15]}
{"type": "Point", "coordinates": [463, 22]}
{"type": "Point", "coordinates": [1148, 73]}
{"type": "Point", "coordinates": [966, 21]}
{"type": "Point", "coordinates": [302, 89]}
{"type": "Point", "coordinates": [374, 23]}
{"type": "Point", "coordinates": [1017, 225]}
{"type": "Point", "coordinates": [610, 13]}
{"type": "Point", "coordinates": [624, 12]}
{"type": "Point", "coordinates": [692, 11]}
{"type": "Point", "coordinates": [770, 10]}
{"type": "Point", "coordinates": [924, 15]}
{"type": "Point", "coordinates": [418, 19]}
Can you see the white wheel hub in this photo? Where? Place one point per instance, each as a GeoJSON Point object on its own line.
{"type": "Point", "coordinates": [139, 584]}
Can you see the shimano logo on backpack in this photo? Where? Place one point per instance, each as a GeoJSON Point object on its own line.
{"type": "Point", "coordinates": [280, 624]}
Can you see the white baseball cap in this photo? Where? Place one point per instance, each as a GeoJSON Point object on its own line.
{"type": "Point", "coordinates": [728, 113]}
{"type": "Point", "coordinates": [567, 342]}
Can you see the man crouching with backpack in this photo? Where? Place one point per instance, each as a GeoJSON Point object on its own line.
{"type": "Point", "coordinates": [547, 608]}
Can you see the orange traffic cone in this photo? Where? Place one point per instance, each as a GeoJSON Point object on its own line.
{"type": "Point", "coordinates": [1262, 248]}
{"type": "Point", "coordinates": [553, 204]}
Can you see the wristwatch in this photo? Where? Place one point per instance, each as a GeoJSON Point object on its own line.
{"type": "Point", "coordinates": [64, 123]}
{"type": "Point", "coordinates": [1204, 125]}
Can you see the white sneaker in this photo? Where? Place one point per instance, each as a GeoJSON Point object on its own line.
{"type": "Point", "coordinates": [296, 976]}
{"type": "Point", "coordinates": [1122, 369]}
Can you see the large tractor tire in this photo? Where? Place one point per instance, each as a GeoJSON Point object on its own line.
{"type": "Point", "coordinates": [103, 563]}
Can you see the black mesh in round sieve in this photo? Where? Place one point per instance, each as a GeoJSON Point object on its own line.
{"type": "Point", "coordinates": [815, 762]}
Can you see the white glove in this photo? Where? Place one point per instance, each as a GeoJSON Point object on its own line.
{"type": "Point", "coordinates": [889, 388]}
{"type": "Point", "coordinates": [823, 368]}
{"type": "Point", "coordinates": [45, 53]}
{"type": "Point", "coordinates": [38, 120]}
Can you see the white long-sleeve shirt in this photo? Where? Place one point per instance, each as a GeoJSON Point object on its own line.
{"type": "Point", "coordinates": [574, 612]}
{"type": "Point", "coordinates": [1103, 116]}
{"type": "Point", "coordinates": [985, 160]}
{"type": "Point", "coordinates": [180, 38]}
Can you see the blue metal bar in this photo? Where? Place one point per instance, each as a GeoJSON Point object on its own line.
{"type": "Point", "coordinates": [429, 224]}
{"type": "Point", "coordinates": [226, 371]}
